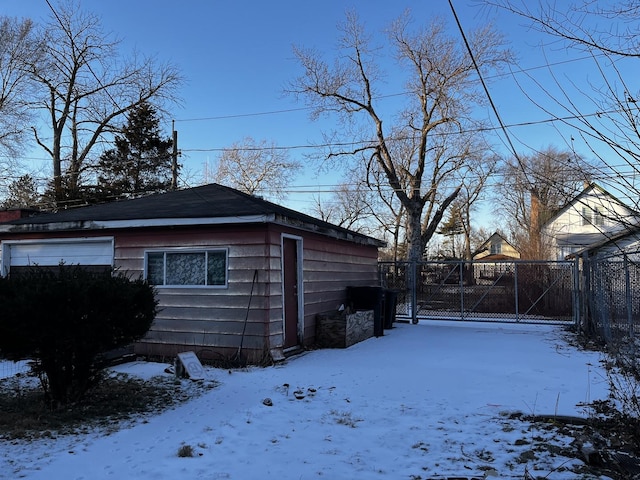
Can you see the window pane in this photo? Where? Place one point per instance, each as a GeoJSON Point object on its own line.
{"type": "Point", "coordinates": [155, 268]}
{"type": "Point", "coordinates": [586, 216]}
{"type": "Point", "coordinates": [216, 268]}
{"type": "Point", "coordinates": [185, 269]}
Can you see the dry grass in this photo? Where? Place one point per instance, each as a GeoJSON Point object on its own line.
{"type": "Point", "coordinates": [114, 402]}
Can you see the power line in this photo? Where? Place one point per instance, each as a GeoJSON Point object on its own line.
{"type": "Point", "coordinates": [435, 134]}
{"type": "Point", "coordinates": [390, 95]}
{"type": "Point", "coordinates": [363, 142]}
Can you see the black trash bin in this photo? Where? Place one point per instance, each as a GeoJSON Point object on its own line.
{"type": "Point", "coordinates": [368, 298]}
{"type": "Point", "coordinates": [390, 303]}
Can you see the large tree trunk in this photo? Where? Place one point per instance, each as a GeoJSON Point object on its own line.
{"type": "Point", "coordinates": [414, 234]}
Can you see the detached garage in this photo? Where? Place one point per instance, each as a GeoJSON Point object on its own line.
{"type": "Point", "coordinates": [230, 270]}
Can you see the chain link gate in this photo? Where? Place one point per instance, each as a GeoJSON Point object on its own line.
{"type": "Point", "coordinates": [505, 291]}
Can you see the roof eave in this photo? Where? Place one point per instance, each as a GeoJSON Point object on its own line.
{"type": "Point", "coordinates": [133, 223]}
{"type": "Point", "coordinates": [331, 231]}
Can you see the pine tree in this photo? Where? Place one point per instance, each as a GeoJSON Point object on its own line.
{"type": "Point", "coordinates": [21, 193]}
{"type": "Point", "coordinates": [141, 161]}
{"type": "Point", "coordinates": [452, 227]}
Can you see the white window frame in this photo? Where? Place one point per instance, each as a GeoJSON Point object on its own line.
{"type": "Point", "coordinates": [593, 216]}
{"type": "Point", "coordinates": [203, 250]}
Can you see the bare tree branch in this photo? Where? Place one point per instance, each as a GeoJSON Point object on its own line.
{"type": "Point", "coordinates": [440, 95]}
{"type": "Point", "coordinates": [257, 168]}
{"type": "Point", "coordinates": [86, 87]}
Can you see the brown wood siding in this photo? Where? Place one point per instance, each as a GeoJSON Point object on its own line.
{"type": "Point", "coordinates": [211, 320]}
{"type": "Point", "coordinates": [329, 267]}
{"type": "Point", "coordinates": [208, 318]}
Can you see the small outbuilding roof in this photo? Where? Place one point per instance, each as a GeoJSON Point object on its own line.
{"type": "Point", "coordinates": [204, 205]}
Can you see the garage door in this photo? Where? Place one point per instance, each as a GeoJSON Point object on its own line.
{"type": "Point", "coordinates": [85, 251]}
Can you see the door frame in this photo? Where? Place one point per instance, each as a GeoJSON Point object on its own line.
{"type": "Point", "coordinates": [300, 287]}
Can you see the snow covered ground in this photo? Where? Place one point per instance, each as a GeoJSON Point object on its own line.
{"type": "Point", "coordinates": [423, 401]}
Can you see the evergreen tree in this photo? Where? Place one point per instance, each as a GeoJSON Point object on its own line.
{"type": "Point", "coordinates": [21, 193]}
{"type": "Point", "coordinates": [453, 227]}
{"type": "Point", "coordinates": [141, 161]}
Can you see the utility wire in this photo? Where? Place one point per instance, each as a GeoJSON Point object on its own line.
{"type": "Point", "coordinates": [486, 89]}
{"type": "Point", "coordinates": [390, 95]}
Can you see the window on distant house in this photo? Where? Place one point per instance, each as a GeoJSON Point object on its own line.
{"type": "Point", "coordinates": [593, 216]}
{"type": "Point", "coordinates": [598, 219]}
{"type": "Point", "coordinates": [586, 216]}
{"type": "Point", "coordinates": [200, 268]}
{"type": "Point", "coordinates": [496, 248]}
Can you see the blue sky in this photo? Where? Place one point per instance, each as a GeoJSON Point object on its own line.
{"type": "Point", "coordinates": [237, 58]}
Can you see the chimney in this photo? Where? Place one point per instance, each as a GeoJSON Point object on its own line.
{"type": "Point", "coordinates": [15, 214]}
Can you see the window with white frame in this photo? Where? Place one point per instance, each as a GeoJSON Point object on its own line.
{"type": "Point", "coordinates": [199, 268]}
{"type": "Point", "coordinates": [593, 216]}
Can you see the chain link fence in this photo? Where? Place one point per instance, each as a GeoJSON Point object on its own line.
{"type": "Point", "coordinates": [610, 297]}
{"type": "Point", "coordinates": [514, 291]}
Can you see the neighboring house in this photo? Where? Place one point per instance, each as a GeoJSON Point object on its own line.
{"type": "Point", "coordinates": [496, 248]}
{"type": "Point", "coordinates": [493, 259]}
{"type": "Point", "coordinates": [613, 248]}
{"type": "Point", "coordinates": [592, 216]}
{"type": "Point", "coordinates": [230, 269]}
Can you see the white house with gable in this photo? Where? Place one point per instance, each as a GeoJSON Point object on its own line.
{"type": "Point", "coordinates": [593, 216]}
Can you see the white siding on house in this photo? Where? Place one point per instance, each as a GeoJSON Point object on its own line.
{"type": "Point", "coordinates": [590, 218]}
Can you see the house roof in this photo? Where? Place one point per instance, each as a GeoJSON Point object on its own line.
{"type": "Point", "coordinates": [204, 205]}
{"type": "Point", "coordinates": [584, 193]}
{"type": "Point", "coordinates": [616, 240]}
{"type": "Point", "coordinates": [496, 257]}
{"type": "Point", "coordinates": [487, 243]}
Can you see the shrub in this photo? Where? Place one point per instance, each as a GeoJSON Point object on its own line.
{"type": "Point", "coordinates": [65, 318]}
{"type": "Point", "coordinates": [623, 375]}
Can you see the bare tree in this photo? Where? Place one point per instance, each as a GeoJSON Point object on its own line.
{"type": "Point", "coordinates": [18, 44]}
{"type": "Point", "coordinates": [534, 188]}
{"type": "Point", "coordinates": [257, 168]}
{"type": "Point", "coordinates": [389, 213]}
{"type": "Point", "coordinates": [605, 113]}
{"type": "Point", "coordinates": [431, 123]}
{"type": "Point", "coordinates": [349, 207]}
{"type": "Point", "coordinates": [86, 87]}
{"type": "Point", "coordinates": [352, 204]}
{"type": "Point", "coordinates": [473, 191]}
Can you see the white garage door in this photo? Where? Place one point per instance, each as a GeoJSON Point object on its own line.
{"type": "Point", "coordinates": [84, 251]}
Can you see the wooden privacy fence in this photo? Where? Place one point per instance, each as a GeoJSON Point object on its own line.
{"type": "Point", "coordinates": [505, 291]}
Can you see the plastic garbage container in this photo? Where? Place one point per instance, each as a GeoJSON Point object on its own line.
{"type": "Point", "coordinates": [390, 303]}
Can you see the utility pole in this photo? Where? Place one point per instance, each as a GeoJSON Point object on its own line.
{"type": "Point", "coordinates": [174, 157]}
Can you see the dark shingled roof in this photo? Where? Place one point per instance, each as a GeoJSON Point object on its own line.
{"type": "Point", "coordinates": [207, 201]}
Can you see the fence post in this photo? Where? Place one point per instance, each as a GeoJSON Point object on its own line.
{"type": "Point", "coordinates": [515, 285]}
{"type": "Point", "coordinates": [460, 267]}
{"type": "Point", "coordinates": [601, 298]}
{"type": "Point", "coordinates": [588, 294]}
{"type": "Point", "coordinates": [627, 295]}
{"type": "Point", "coordinates": [575, 289]}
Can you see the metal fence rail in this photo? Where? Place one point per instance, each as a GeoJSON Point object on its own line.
{"type": "Point", "coordinates": [610, 296]}
{"type": "Point", "coordinates": [516, 291]}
